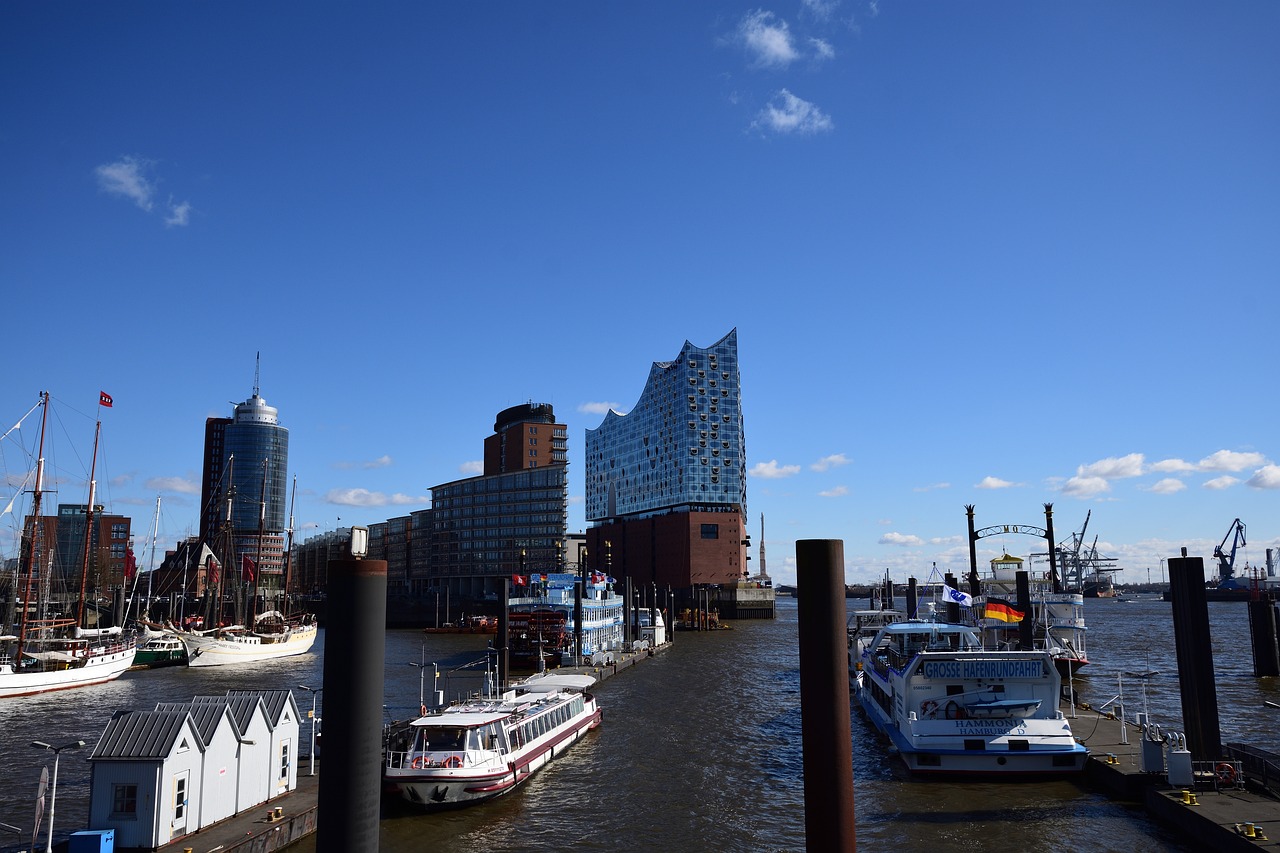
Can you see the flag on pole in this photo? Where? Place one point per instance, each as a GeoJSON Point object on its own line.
{"type": "Point", "coordinates": [104, 399]}
{"type": "Point", "coordinates": [130, 565]}
{"type": "Point", "coordinates": [962, 598]}
{"type": "Point", "coordinates": [519, 580]}
{"type": "Point", "coordinates": [997, 608]}
{"type": "Point", "coordinates": [247, 568]}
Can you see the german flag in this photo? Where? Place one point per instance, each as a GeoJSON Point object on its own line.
{"type": "Point", "coordinates": [998, 608]}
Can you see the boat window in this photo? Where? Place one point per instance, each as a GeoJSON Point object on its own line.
{"type": "Point", "coordinates": [975, 745]}
{"type": "Point", "coordinates": [955, 689]}
{"type": "Point", "coordinates": [1019, 746]}
{"type": "Point", "coordinates": [444, 739]}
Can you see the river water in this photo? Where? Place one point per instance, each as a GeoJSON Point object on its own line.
{"type": "Point", "coordinates": [700, 748]}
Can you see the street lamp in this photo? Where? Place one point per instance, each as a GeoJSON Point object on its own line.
{"type": "Point", "coordinates": [313, 691]}
{"type": "Point", "coordinates": [53, 791]}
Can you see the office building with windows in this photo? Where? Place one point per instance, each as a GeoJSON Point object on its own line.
{"type": "Point", "coordinates": [243, 488]}
{"type": "Point", "coordinates": [666, 487]}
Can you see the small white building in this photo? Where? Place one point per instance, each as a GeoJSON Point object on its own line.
{"type": "Point", "coordinates": [159, 775]}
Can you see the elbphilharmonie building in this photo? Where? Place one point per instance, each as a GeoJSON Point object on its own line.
{"type": "Point", "coordinates": [666, 487]}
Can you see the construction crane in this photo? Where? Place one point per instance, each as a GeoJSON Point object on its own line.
{"type": "Point", "coordinates": [1227, 563]}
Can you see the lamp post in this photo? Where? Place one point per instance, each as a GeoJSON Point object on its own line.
{"type": "Point", "coordinates": [313, 691]}
{"type": "Point", "coordinates": [53, 791]}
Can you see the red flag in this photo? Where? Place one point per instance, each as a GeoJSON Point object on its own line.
{"type": "Point", "coordinates": [104, 399]}
{"type": "Point", "coordinates": [212, 571]}
{"type": "Point", "coordinates": [246, 568]}
{"type": "Point", "coordinates": [519, 580]}
{"type": "Point", "coordinates": [130, 565]}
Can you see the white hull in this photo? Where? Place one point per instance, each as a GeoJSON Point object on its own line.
{"type": "Point", "coordinates": [98, 669]}
{"type": "Point", "coordinates": [210, 650]}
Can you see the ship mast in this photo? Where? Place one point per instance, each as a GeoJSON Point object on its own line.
{"type": "Point", "coordinates": [37, 528]}
{"type": "Point", "coordinates": [88, 527]}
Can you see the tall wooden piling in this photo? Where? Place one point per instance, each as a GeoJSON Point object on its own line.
{"type": "Point", "coordinates": [350, 792]}
{"type": "Point", "coordinates": [913, 598]}
{"type": "Point", "coordinates": [1262, 633]}
{"type": "Point", "coordinates": [824, 696]}
{"type": "Point", "coordinates": [1195, 660]}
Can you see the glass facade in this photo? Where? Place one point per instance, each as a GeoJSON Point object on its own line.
{"type": "Point", "coordinates": [681, 446]}
{"type": "Point", "coordinates": [499, 524]}
{"type": "Point", "coordinates": [254, 436]}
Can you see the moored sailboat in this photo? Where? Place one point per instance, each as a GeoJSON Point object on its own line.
{"type": "Point", "coordinates": [48, 650]}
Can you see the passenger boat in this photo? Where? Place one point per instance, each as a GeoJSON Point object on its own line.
{"type": "Point", "coordinates": [47, 650]}
{"type": "Point", "coordinates": [862, 627]}
{"type": "Point", "coordinates": [949, 707]}
{"type": "Point", "coordinates": [162, 648]}
{"type": "Point", "coordinates": [485, 747]}
{"type": "Point", "coordinates": [1057, 618]}
{"type": "Point", "coordinates": [542, 621]}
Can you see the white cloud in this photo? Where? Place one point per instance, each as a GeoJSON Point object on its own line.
{"type": "Point", "coordinates": [822, 48]}
{"type": "Point", "coordinates": [1266, 477]}
{"type": "Point", "coordinates": [1217, 484]}
{"type": "Point", "coordinates": [820, 9]}
{"type": "Point", "coordinates": [788, 114]}
{"type": "Point", "coordinates": [1172, 466]}
{"type": "Point", "coordinates": [931, 487]}
{"type": "Point", "coordinates": [125, 178]}
{"type": "Point", "coordinates": [599, 408]}
{"type": "Point", "coordinates": [1113, 467]}
{"type": "Point", "coordinates": [771, 470]}
{"type": "Point", "coordinates": [906, 540]}
{"type": "Point", "coordinates": [1230, 460]}
{"type": "Point", "coordinates": [472, 467]}
{"type": "Point", "coordinates": [835, 460]}
{"type": "Point", "coordinates": [993, 483]}
{"type": "Point", "coordinates": [838, 491]}
{"type": "Point", "coordinates": [364, 497]}
{"type": "Point", "coordinates": [767, 39]}
{"type": "Point", "coordinates": [179, 214]}
{"type": "Point", "coordinates": [1086, 487]}
{"type": "Point", "coordinates": [173, 484]}
{"type": "Point", "coordinates": [1168, 486]}
{"type": "Point", "coordinates": [381, 462]}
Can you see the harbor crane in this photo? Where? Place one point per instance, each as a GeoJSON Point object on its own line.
{"type": "Point", "coordinates": [1227, 563]}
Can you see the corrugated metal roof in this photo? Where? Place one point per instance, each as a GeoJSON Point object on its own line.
{"type": "Point", "coordinates": [274, 701]}
{"type": "Point", "coordinates": [205, 715]}
{"type": "Point", "coordinates": [144, 735]}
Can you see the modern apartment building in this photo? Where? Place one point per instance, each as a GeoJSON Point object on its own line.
{"type": "Point", "coordinates": [666, 486]}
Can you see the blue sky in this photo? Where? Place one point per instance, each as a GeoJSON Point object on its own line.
{"type": "Point", "coordinates": [998, 254]}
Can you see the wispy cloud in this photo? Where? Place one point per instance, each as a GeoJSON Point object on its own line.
{"type": "Point", "coordinates": [475, 466]}
{"type": "Point", "coordinates": [599, 408]}
{"type": "Point", "coordinates": [931, 487]}
{"type": "Point", "coordinates": [128, 178]}
{"type": "Point", "coordinates": [364, 497]}
{"type": "Point", "coordinates": [787, 113]}
{"type": "Point", "coordinates": [837, 492]}
{"type": "Point", "coordinates": [1172, 466]}
{"type": "Point", "coordinates": [1085, 487]}
{"type": "Point", "coordinates": [1168, 486]}
{"type": "Point", "coordinates": [820, 9]}
{"type": "Point", "coordinates": [822, 48]}
{"type": "Point", "coordinates": [835, 460]}
{"type": "Point", "coordinates": [906, 540]}
{"type": "Point", "coordinates": [180, 485]}
{"type": "Point", "coordinates": [771, 470]}
{"type": "Point", "coordinates": [993, 483]}
{"type": "Point", "coordinates": [1217, 484]}
{"type": "Point", "coordinates": [1230, 460]}
{"type": "Point", "coordinates": [1114, 467]}
{"type": "Point", "coordinates": [381, 462]}
{"type": "Point", "coordinates": [767, 39]}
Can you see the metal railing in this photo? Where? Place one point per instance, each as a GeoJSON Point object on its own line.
{"type": "Point", "coordinates": [1260, 767]}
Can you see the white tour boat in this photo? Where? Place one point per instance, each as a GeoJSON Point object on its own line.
{"type": "Point", "coordinates": [273, 637]}
{"type": "Point", "coordinates": [950, 707]}
{"type": "Point", "coordinates": [484, 747]}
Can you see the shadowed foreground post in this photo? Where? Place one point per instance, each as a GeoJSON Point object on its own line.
{"type": "Point", "coordinates": [354, 661]}
{"type": "Point", "coordinates": [824, 696]}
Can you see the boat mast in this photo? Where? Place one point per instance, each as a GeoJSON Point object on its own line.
{"type": "Point", "coordinates": [155, 534]}
{"type": "Point", "coordinates": [288, 548]}
{"type": "Point", "coordinates": [37, 530]}
{"type": "Point", "coordinates": [262, 529]}
{"type": "Point", "coordinates": [88, 527]}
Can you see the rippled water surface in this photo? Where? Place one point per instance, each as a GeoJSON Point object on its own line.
{"type": "Point", "coordinates": [700, 748]}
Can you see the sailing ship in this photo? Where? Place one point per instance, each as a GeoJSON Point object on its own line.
{"type": "Point", "coordinates": [47, 649]}
{"type": "Point", "coordinates": [262, 636]}
{"type": "Point", "coordinates": [541, 624]}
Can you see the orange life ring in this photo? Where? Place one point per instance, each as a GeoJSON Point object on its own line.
{"type": "Point", "coordinates": [1226, 773]}
{"type": "Point", "coordinates": [418, 763]}
{"type": "Point", "coordinates": [422, 711]}
{"type": "Point", "coordinates": [453, 761]}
